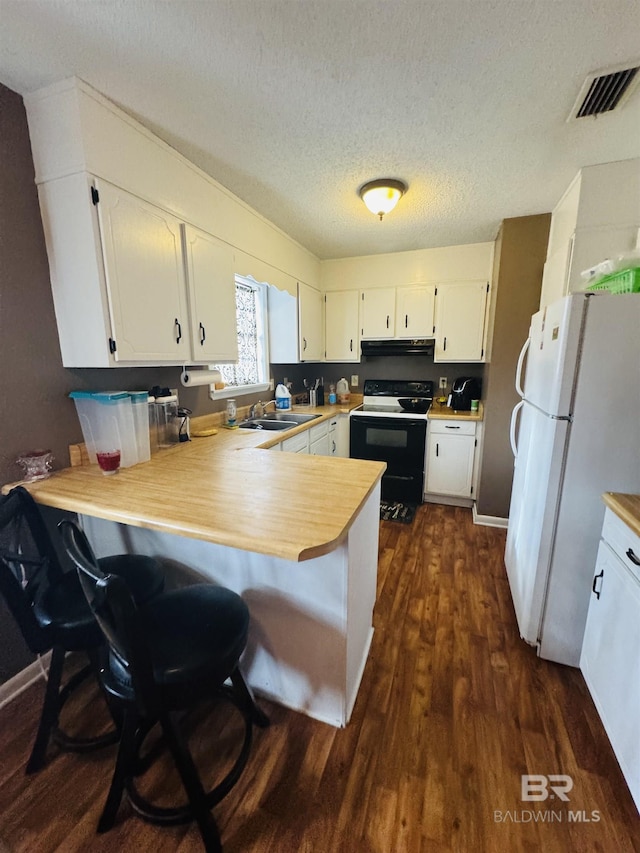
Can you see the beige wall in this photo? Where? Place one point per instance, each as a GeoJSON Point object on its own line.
{"type": "Point", "coordinates": [519, 258]}
{"type": "Point", "coordinates": [448, 263]}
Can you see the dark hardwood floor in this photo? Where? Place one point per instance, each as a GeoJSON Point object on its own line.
{"type": "Point", "coordinates": [453, 709]}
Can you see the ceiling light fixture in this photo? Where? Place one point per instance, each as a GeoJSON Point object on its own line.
{"type": "Point", "coordinates": [381, 196]}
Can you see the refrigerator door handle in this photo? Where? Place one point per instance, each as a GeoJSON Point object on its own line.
{"type": "Point", "coordinates": [512, 428]}
{"type": "Point", "coordinates": [521, 357]}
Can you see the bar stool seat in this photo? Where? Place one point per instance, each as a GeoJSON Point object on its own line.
{"type": "Point", "coordinates": [179, 649]}
{"type": "Point", "coordinates": [51, 610]}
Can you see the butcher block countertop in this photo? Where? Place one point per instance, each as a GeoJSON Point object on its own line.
{"type": "Point", "coordinates": [438, 412]}
{"type": "Point", "coordinates": [626, 507]}
{"type": "Point", "coordinates": [227, 490]}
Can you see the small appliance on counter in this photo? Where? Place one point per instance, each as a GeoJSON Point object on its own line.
{"type": "Point", "coordinates": [463, 391]}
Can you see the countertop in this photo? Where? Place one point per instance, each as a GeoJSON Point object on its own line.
{"type": "Point", "coordinates": [438, 412]}
{"type": "Point", "coordinates": [227, 489]}
{"type": "Point", "coordinates": [626, 507]}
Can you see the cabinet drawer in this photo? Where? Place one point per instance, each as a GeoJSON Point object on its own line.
{"type": "Point", "coordinates": [297, 443]}
{"type": "Point", "coordinates": [452, 427]}
{"type": "Point", "coordinates": [623, 541]}
{"type": "Point", "coordinates": [318, 431]}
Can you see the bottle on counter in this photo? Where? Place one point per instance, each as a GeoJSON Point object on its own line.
{"type": "Point", "coordinates": [283, 397]}
{"type": "Point", "coordinates": [342, 389]}
{"type": "Point", "coordinates": [332, 395]}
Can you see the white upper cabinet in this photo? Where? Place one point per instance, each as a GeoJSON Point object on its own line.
{"type": "Point", "coordinates": [397, 312]}
{"type": "Point", "coordinates": [121, 277]}
{"type": "Point", "coordinates": [144, 273]}
{"type": "Point", "coordinates": [596, 218]}
{"type": "Point", "coordinates": [121, 292]}
{"type": "Point", "coordinates": [414, 311]}
{"type": "Point", "coordinates": [341, 319]}
{"type": "Point", "coordinates": [295, 325]}
{"type": "Point", "coordinates": [460, 313]}
{"type": "Point", "coordinates": [310, 326]}
{"type": "Point", "coordinates": [377, 313]}
{"type": "Point", "coordinates": [211, 292]}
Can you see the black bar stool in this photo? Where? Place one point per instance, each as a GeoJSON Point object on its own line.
{"type": "Point", "coordinates": [164, 658]}
{"type": "Point", "coordinates": [52, 613]}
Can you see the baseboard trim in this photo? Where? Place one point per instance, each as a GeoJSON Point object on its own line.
{"type": "Point", "coordinates": [489, 520]}
{"type": "Point", "coordinates": [23, 679]}
{"type": "Point", "coordinates": [447, 500]}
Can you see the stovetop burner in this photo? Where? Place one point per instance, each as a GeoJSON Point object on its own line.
{"type": "Point", "coordinates": [381, 397]}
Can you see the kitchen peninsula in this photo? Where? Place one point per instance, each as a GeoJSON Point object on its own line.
{"type": "Point", "coordinates": [295, 535]}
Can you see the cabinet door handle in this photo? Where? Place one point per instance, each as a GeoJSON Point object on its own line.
{"type": "Point", "coordinates": [333, 447]}
{"type": "Point", "coordinates": [595, 581]}
{"type": "Point", "coordinates": [203, 335]}
{"type": "Point", "coordinates": [437, 450]}
{"type": "Point", "coordinates": [304, 343]}
{"type": "Point", "coordinates": [406, 321]}
{"type": "Point", "coordinates": [351, 345]}
{"type": "Point", "coordinates": [176, 323]}
{"type": "Point", "coordinates": [445, 345]}
{"type": "Point", "coordinates": [634, 559]}
{"type": "Point", "coordinates": [387, 321]}
{"type": "Point", "coordinates": [452, 427]}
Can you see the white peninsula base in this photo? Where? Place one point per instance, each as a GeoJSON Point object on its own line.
{"type": "Point", "coordinates": [311, 621]}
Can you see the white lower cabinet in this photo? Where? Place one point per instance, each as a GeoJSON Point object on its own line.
{"type": "Point", "coordinates": [319, 440]}
{"type": "Point", "coordinates": [339, 436]}
{"type": "Point", "coordinates": [610, 659]}
{"type": "Point", "coordinates": [297, 443]}
{"type": "Point", "coordinates": [451, 449]}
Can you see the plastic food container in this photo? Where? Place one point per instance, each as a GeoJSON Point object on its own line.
{"type": "Point", "coordinates": [107, 424]}
{"type": "Point", "coordinates": [140, 410]}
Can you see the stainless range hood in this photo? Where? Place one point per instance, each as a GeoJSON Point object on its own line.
{"type": "Point", "coordinates": [421, 346]}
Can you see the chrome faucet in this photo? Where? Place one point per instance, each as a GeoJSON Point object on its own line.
{"type": "Point", "coordinates": [259, 409]}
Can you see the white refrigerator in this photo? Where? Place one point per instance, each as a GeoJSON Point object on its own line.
{"type": "Point", "coordinates": [575, 434]}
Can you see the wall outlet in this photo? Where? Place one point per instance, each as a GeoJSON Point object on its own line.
{"type": "Point", "coordinates": [354, 380]}
{"type": "Point", "coordinates": [271, 384]}
{"type": "Point", "coordinates": [443, 383]}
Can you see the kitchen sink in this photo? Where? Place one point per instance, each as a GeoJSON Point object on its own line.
{"type": "Point", "coordinates": [289, 416]}
{"type": "Point", "coordinates": [277, 421]}
{"type": "Point", "coordinates": [269, 424]}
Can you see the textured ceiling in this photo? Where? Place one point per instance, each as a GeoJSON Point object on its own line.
{"type": "Point", "coordinates": [293, 104]}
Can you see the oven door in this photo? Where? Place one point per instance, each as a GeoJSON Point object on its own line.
{"type": "Point", "coordinates": [400, 442]}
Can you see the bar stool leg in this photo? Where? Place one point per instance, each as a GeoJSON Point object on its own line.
{"type": "Point", "coordinates": [50, 711]}
{"type": "Point", "coordinates": [125, 763]}
{"type": "Point", "coordinates": [192, 784]}
{"type": "Point", "coordinates": [257, 716]}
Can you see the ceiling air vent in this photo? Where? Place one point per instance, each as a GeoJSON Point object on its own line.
{"type": "Point", "coordinates": [603, 91]}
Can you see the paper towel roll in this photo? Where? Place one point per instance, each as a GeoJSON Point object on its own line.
{"type": "Point", "coordinates": [200, 377]}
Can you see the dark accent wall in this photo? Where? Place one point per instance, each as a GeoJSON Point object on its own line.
{"type": "Point", "coordinates": [517, 279]}
{"type": "Point", "coordinates": [33, 383]}
{"type": "Point", "coordinates": [410, 367]}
